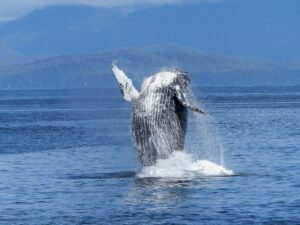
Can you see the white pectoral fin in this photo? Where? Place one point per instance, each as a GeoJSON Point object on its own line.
{"type": "Point", "coordinates": [185, 100]}
{"type": "Point", "coordinates": [128, 90]}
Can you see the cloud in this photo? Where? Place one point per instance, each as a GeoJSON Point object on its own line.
{"type": "Point", "coordinates": [16, 8]}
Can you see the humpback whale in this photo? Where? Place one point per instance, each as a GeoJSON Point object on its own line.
{"type": "Point", "coordinates": [159, 113]}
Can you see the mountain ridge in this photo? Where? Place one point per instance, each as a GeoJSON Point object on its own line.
{"type": "Point", "coordinates": [91, 70]}
{"type": "Point", "coordinates": [265, 29]}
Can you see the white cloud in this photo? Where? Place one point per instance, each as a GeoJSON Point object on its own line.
{"type": "Point", "coordinates": [17, 8]}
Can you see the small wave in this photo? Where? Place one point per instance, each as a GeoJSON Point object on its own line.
{"type": "Point", "coordinates": [182, 165]}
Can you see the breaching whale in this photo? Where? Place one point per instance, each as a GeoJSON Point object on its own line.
{"type": "Point", "coordinates": [159, 113]}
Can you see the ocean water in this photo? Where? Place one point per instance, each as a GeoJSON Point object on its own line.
{"type": "Point", "coordinates": [66, 158]}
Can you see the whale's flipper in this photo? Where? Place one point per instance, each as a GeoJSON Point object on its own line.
{"type": "Point", "coordinates": [184, 99]}
{"type": "Point", "coordinates": [128, 90]}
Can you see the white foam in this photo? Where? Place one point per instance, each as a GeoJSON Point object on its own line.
{"type": "Point", "coordinates": [182, 165]}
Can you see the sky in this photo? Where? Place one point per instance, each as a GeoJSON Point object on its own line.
{"type": "Point", "coordinates": [11, 9]}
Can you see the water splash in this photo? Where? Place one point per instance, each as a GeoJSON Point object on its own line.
{"type": "Point", "coordinates": [183, 165]}
{"type": "Point", "coordinates": [203, 137]}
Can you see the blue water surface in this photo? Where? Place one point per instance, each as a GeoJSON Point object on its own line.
{"type": "Point", "coordinates": [66, 158]}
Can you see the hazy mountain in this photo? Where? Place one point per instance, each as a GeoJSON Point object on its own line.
{"type": "Point", "coordinates": [10, 56]}
{"type": "Point", "coordinates": [94, 70]}
{"type": "Point", "coordinates": [252, 28]}
{"type": "Point", "coordinates": [58, 29]}
{"type": "Point", "coordinates": [85, 36]}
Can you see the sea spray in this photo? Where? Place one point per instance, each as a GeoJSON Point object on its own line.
{"type": "Point", "coordinates": [181, 164]}
{"type": "Point", "coordinates": [203, 137]}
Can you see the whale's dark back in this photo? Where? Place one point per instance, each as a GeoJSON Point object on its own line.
{"type": "Point", "coordinates": [159, 124]}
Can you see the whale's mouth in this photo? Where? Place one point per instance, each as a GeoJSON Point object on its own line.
{"type": "Point", "coordinates": [182, 165]}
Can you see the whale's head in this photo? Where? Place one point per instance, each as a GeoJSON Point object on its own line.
{"type": "Point", "coordinates": [165, 79]}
